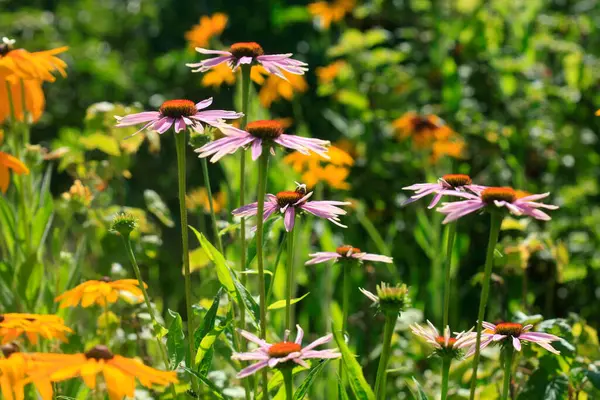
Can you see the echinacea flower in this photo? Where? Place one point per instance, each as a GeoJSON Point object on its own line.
{"type": "Point", "coordinates": [208, 27]}
{"type": "Point", "coordinates": [9, 162]}
{"type": "Point", "coordinates": [448, 185]}
{"type": "Point", "coordinates": [515, 202]}
{"type": "Point", "coordinates": [13, 325]}
{"type": "Point", "coordinates": [291, 203]}
{"type": "Point", "coordinates": [181, 113]}
{"type": "Point", "coordinates": [101, 292]}
{"type": "Point", "coordinates": [511, 333]}
{"type": "Point", "coordinates": [282, 354]}
{"type": "Point", "coordinates": [445, 345]}
{"type": "Point", "coordinates": [14, 368]}
{"type": "Point", "coordinates": [346, 253]}
{"type": "Point", "coordinates": [259, 134]}
{"type": "Point", "coordinates": [390, 300]}
{"type": "Point", "coordinates": [249, 53]}
{"type": "Point", "coordinates": [119, 372]}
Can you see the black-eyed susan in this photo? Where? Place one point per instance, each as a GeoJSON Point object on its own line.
{"type": "Point", "coordinates": [9, 162]}
{"type": "Point", "coordinates": [329, 72]}
{"type": "Point", "coordinates": [101, 292]}
{"type": "Point", "coordinates": [222, 74]}
{"type": "Point", "coordinates": [326, 12]}
{"type": "Point", "coordinates": [198, 199]}
{"type": "Point", "coordinates": [314, 169]}
{"type": "Point", "coordinates": [276, 88]}
{"type": "Point", "coordinates": [423, 130]}
{"type": "Point", "coordinates": [14, 367]}
{"type": "Point", "coordinates": [206, 29]}
{"type": "Point", "coordinates": [13, 325]}
{"type": "Point", "coordinates": [119, 372]}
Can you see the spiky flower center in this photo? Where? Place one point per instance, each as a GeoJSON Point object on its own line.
{"type": "Point", "coordinates": [442, 341]}
{"type": "Point", "coordinates": [492, 194]}
{"type": "Point", "coordinates": [288, 198]}
{"type": "Point", "coordinates": [457, 180]}
{"type": "Point", "coordinates": [246, 49]}
{"type": "Point", "coordinates": [178, 108]}
{"type": "Point", "coordinates": [345, 250]}
{"type": "Point", "coordinates": [265, 129]}
{"type": "Point", "coordinates": [9, 349]}
{"type": "Point", "coordinates": [282, 349]}
{"type": "Point", "coordinates": [392, 298]}
{"type": "Point", "coordinates": [509, 329]}
{"type": "Point", "coordinates": [99, 352]}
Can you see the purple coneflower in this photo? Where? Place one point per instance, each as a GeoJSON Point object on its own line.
{"type": "Point", "coordinates": [281, 353]}
{"type": "Point", "coordinates": [346, 252]}
{"type": "Point", "coordinates": [181, 113]}
{"type": "Point", "coordinates": [260, 134]}
{"type": "Point", "coordinates": [516, 202]}
{"type": "Point", "coordinates": [515, 333]}
{"type": "Point", "coordinates": [446, 344]}
{"type": "Point", "coordinates": [250, 53]}
{"type": "Point", "coordinates": [450, 185]}
{"type": "Point", "coordinates": [291, 202]}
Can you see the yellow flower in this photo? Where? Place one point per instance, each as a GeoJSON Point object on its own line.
{"type": "Point", "coordinates": [79, 193]}
{"type": "Point", "coordinates": [327, 13]}
{"type": "Point", "coordinates": [101, 292]}
{"type": "Point", "coordinates": [13, 325]}
{"type": "Point", "coordinates": [329, 72]}
{"type": "Point", "coordinates": [222, 73]}
{"type": "Point", "coordinates": [598, 113]}
{"type": "Point", "coordinates": [13, 369]}
{"type": "Point", "coordinates": [9, 162]}
{"type": "Point", "coordinates": [198, 198]}
{"type": "Point", "coordinates": [314, 169]}
{"type": "Point", "coordinates": [119, 372]}
{"type": "Point", "coordinates": [276, 88]}
{"type": "Point", "coordinates": [208, 27]}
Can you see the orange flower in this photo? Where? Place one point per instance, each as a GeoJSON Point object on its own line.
{"type": "Point", "coordinates": [423, 130]}
{"type": "Point", "coordinates": [329, 72]}
{"type": "Point", "coordinates": [79, 193]}
{"type": "Point", "coordinates": [454, 149]}
{"type": "Point", "coordinates": [276, 88]}
{"type": "Point", "coordinates": [13, 325]}
{"type": "Point", "coordinates": [327, 13]}
{"type": "Point", "coordinates": [598, 113]}
{"type": "Point", "coordinates": [198, 198]}
{"type": "Point", "coordinates": [314, 169]}
{"type": "Point", "coordinates": [9, 162]}
{"type": "Point", "coordinates": [200, 34]}
{"type": "Point", "coordinates": [119, 373]}
{"type": "Point", "coordinates": [222, 73]}
{"type": "Point", "coordinates": [101, 292]}
{"type": "Point", "coordinates": [13, 369]}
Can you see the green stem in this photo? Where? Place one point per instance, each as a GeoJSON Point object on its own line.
{"type": "Point", "coordinates": [210, 204]}
{"type": "Point", "coordinates": [508, 358]}
{"type": "Point", "coordinates": [388, 331]}
{"type": "Point", "coordinates": [451, 232]}
{"type": "Point", "coordinates": [275, 269]}
{"type": "Point", "coordinates": [181, 148]}
{"type": "Point", "coordinates": [290, 278]}
{"type": "Point", "coordinates": [288, 380]}
{"type": "Point", "coordinates": [345, 311]}
{"type": "Point", "coordinates": [445, 372]}
{"type": "Point", "coordinates": [107, 322]}
{"type": "Point", "coordinates": [496, 221]}
{"type": "Point", "coordinates": [245, 97]}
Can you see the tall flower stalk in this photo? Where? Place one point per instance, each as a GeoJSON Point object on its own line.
{"type": "Point", "coordinates": [245, 98]}
{"type": "Point", "coordinates": [290, 277]}
{"type": "Point", "coordinates": [508, 358]}
{"type": "Point", "coordinates": [451, 234]}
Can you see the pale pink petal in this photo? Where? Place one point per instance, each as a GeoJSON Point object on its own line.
{"type": "Point", "coordinates": [256, 149]}
{"type": "Point", "coordinates": [252, 369]}
{"type": "Point", "coordinates": [516, 343]}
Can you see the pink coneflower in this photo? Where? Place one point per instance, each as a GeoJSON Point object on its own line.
{"type": "Point", "coordinates": [250, 53]}
{"type": "Point", "coordinates": [345, 253]}
{"type": "Point", "coordinates": [516, 202]}
{"type": "Point", "coordinates": [281, 353]}
{"type": "Point", "coordinates": [181, 113]}
{"type": "Point", "coordinates": [514, 332]}
{"type": "Point", "coordinates": [449, 185]}
{"type": "Point", "coordinates": [446, 344]}
{"type": "Point", "coordinates": [289, 203]}
{"type": "Point", "coordinates": [260, 134]}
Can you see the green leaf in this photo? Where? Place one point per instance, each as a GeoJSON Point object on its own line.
{"type": "Point", "coordinates": [420, 394]}
{"type": "Point", "coordinates": [356, 379]}
{"type": "Point", "coordinates": [29, 277]}
{"type": "Point", "coordinates": [252, 246]}
{"type": "Point", "coordinates": [307, 383]}
{"type": "Point", "coordinates": [594, 377]}
{"type": "Point", "coordinates": [157, 207]}
{"type": "Point", "coordinates": [202, 337]}
{"type": "Point", "coordinates": [216, 392]}
{"type": "Point", "coordinates": [223, 271]}
{"type": "Point", "coordinates": [175, 340]}
{"type": "Point", "coordinates": [276, 380]}
{"type": "Point", "coordinates": [104, 143]}
{"type": "Point", "coordinates": [281, 303]}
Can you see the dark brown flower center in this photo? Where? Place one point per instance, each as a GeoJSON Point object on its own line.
{"type": "Point", "coordinates": [288, 198]}
{"type": "Point", "coordinates": [99, 352]}
{"type": "Point", "coordinates": [442, 341]}
{"type": "Point", "coordinates": [1, 318]}
{"type": "Point", "coordinates": [492, 194]}
{"type": "Point", "coordinates": [457, 180]}
{"type": "Point", "coordinates": [246, 49]}
{"type": "Point", "coordinates": [509, 329]}
{"type": "Point", "coordinates": [421, 124]}
{"type": "Point", "coordinates": [344, 250]}
{"type": "Point", "coordinates": [9, 349]}
{"type": "Point", "coordinates": [178, 108]}
{"type": "Point", "coordinates": [280, 350]}
{"type": "Point", "coordinates": [265, 129]}
{"type": "Point", "coordinates": [105, 279]}
{"type": "Point", "coordinates": [5, 49]}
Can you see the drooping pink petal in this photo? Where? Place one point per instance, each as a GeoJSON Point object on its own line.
{"type": "Point", "coordinates": [163, 125]}
{"type": "Point", "coordinates": [253, 338]}
{"type": "Point", "coordinates": [252, 369]}
{"type": "Point", "coordinates": [138, 118]}
{"type": "Point", "coordinates": [373, 257]}
{"type": "Point", "coordinates": [318, 342]}
{"type": "Point", "coordinates": [179, 125]}
{"type": "Point", "coordinates": [204, 103]}
{"type": "Point", "coordinates": [288, 219]}
{"type": "Point", "coordinates": [516, 343]}
{"type": "Point", "coordinates": [256, 149]}
{"type": "Point", "coordinates": [299, 335]}
{"type": "Point", "coordinates": [321, 257]}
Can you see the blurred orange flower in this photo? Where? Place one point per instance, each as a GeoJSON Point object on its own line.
{"type": "Point", "coordinates": [329, 72]}
{"type": "Point", "coordinates": [315, 169]}
{"type": "Point", "coordinates": [13, 369]}
{"type": "Point", "coordinates": [208, 27]}
{"type": "Point", "coordinates": [9, 162]}
{"type": "Point", "coordinates": [101, 292]}
{"type": "Point", "coordinates": [222, 74]}
{"type": "Point", "coordinates": [454, 149]}
{"type": "Point", "coordinates": [13, 325]}
{"type": "Point", "coordinates": [598, 113]}
{"type": "Point", "coordinates": [276, 88]}
{"type": "Point", "coordinates": [79, 193]}
{"type": "Point", "coordinates": [198, 198]}
{"type": "Point", "coordinates": [326, 13]}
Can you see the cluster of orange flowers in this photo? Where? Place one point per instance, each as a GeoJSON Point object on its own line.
{"type": "Point", "coordinates": [315, 169]}
{"type": "Point", "coordinates": [326, 12]}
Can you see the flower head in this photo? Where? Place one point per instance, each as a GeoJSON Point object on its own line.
{"type": "Point", "coordinates": [13, 325]}
{"type": "Point", "coordinates": [250, 53]}
{"type": "Point", "coordinates": [124, 223]}
{"type": "Point", "coordinates": [275, 88]}
{"type": "Point", "coordinates": [282, 354]}
{"type": "Point", "coordinates": [119, 372]}
{"type": "Point", "coordinates": [290, 203]}
{"type": "Point", "coordinates": [450, 185]}
{"type": "Point", "coordinates": [208, 27]}
{"type": "Point", "coordinates": [79, 194]}
{"type": "Point", "coordinates": [326, 13]}
{"type": "Point", "coordinates": [9, 162]}
{"type": "Point", "coordinates": [422, 129]}
{"type": "Point", "coordinates": [346, 253]}
{"type": "Point", "coordinates": [101, 292]}
{"type": "Point", "coordinates": [390, 300]}
{"type": "Point", "coordinates": [315, 169]}
{"type": "Point", "coordinates": [510, 333]}
{"type": "Point", "coordinates": [259, 134]}
{"type": "Point", "coordinates": [446, 345]}
{"type": "Point", "coordinates": [496, 198]}
{"type": "Point", "coordinates": [181, 113]}
{"type": "Point", "coordinates": [14, 368]}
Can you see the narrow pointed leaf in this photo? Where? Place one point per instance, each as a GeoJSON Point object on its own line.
{"type": "Point", "coordinates": [281, 303]}
{"type": "Point", "coordinates": [356, 379]}
{"type": "Point", "coordinates": [307, 383]}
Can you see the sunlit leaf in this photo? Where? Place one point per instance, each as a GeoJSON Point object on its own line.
{"type": "Point", "coordinates": [157, 207]}
{"type": "Point", "coordinates": [307, 383]}
{"type": "Point", "coordinates": [356, 379]}
{"type": "Point", "coordinates": [175, 340]}
{"type": "Point", "coordinates": [281, 303]}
